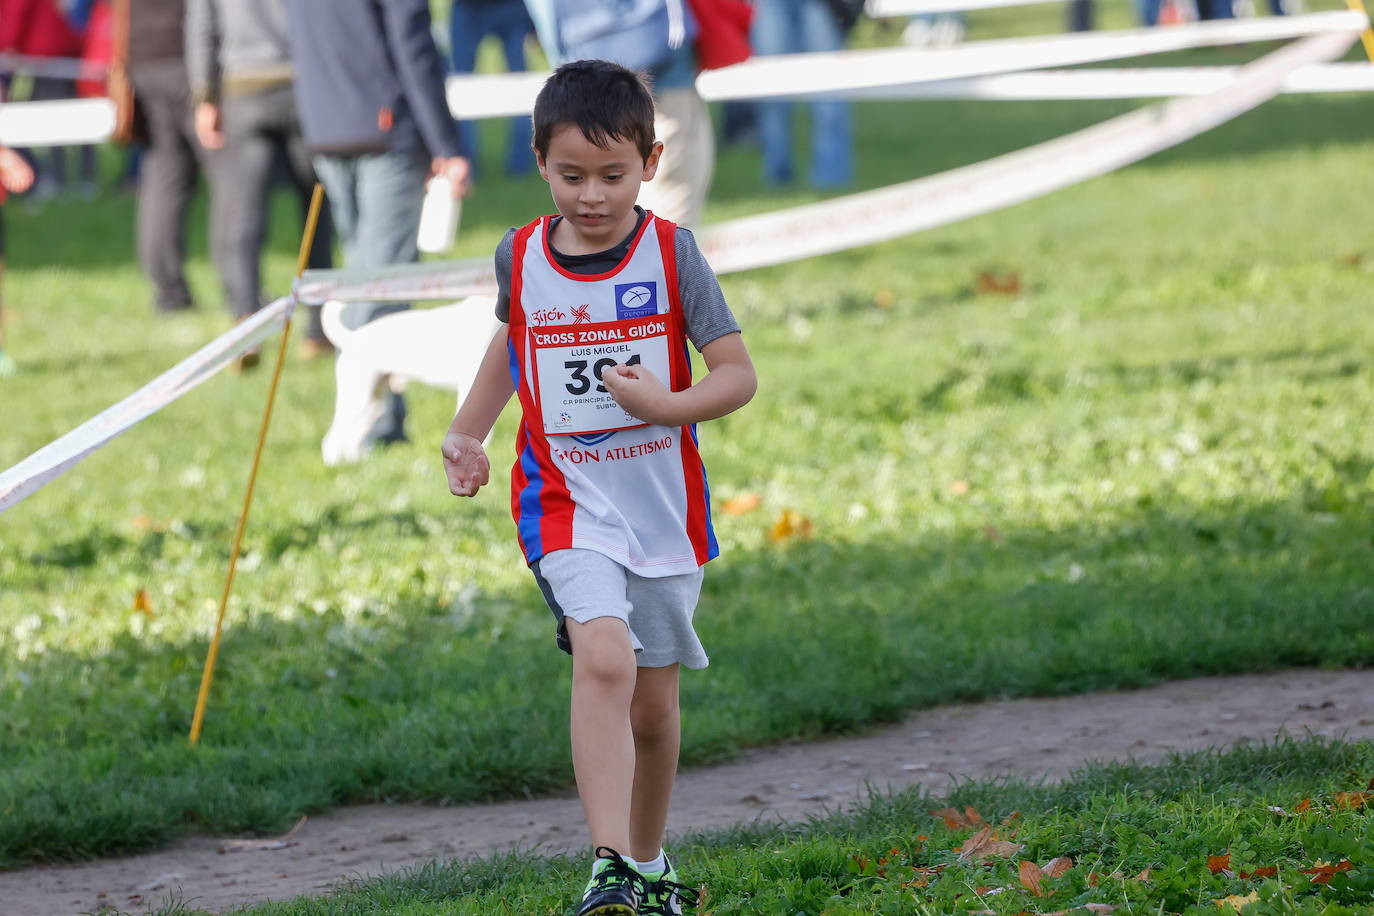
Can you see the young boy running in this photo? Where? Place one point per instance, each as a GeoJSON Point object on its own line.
{"type": "Point", "coordinates": [608, 491]}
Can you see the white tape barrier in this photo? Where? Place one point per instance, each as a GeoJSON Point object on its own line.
{"type": "Point", "coordinates": [1121, 83]}
{"type": "Point", "coordinates": [862, 71]}
{"type": "Point", "coordinates": [887, 213]}
{"type": "Point", "coordinates": [70, 122]}
{"type": "Point", "coordinates": [798, 75]}
{"type": "Point", "coordinates": [81, 121]}
{"type": "Point", "coordinates": [891, 9]}
{"type": "Point", "coordinates": [875, 216]}
{"type": "Point", "coordinates": [59, 456]}
{"type": "Point", "coordinates": [70, 68]}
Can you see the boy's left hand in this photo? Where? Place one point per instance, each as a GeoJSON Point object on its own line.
{"type": "Point", "coordinates": [640, 393]}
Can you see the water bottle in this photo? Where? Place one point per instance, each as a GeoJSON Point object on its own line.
{"type": "Point", "coordinates": [438, 216]}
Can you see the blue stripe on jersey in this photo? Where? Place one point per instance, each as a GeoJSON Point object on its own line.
{"type": "Point", "coordinates": [530, 511]}
{"type": "Point", "coordinates": [712, 548]}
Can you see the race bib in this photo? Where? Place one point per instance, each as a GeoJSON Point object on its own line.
{"type": "Point", "coordinates": [569, 360]}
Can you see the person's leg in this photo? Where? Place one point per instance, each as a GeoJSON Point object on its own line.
{"type": "Point", "coordinates": [301, 173]}
{"type": "Point", "coordinates": [832, 133]}
{"type": "Point", "coordinates": [773, 32]}
{"type": "Point", "coordinates": [512, 24]}
{"type": "Point", "coordinates": [339, 175]}
{"type": "Point", "coordinates": [168, 180]}
{"type": "Point", "coordinates": [603, 745]}
{"type": "Point", "coordinates": [248, 158]}
{"type": "Point", "coordinates": [390, 194]}
{"type": "Point", "coordinates": [52, 161]}
{"type": "Point", "coordinates": [678, 192]}
{"type": "Point", "coordinates": [465, 34]}
{"type": "Point", "coordinates": [6, 362]}
{"type": "Point", "coordinates": [656, 724]}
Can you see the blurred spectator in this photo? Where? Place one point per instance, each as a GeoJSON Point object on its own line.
{"type": "Point", "coordinates": [789, 27]}
{"type": "Point", "coordinates": [16, 176]}
{"type": "Point", "coordinates": [670, 58]}
{"type": "Point", "coordinates": [369, 87]}
{"type": "Point", "coordinates": [470, 22]}
{"type": "Point", "coordinates": [1081, 15]}
{"type": "Point", "coordinates": [934, 30]}
{"type": "Point", "coordinates": [239, 62]}
{"type": "Point", "coordinates": [174, 159]}
{"type": "Point", "coordinates": [39, 28]}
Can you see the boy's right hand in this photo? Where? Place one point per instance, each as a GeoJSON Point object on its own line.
{"type": "Point", "coordinates": [465, 463]}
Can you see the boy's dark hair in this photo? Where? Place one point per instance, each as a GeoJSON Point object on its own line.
{"type": "Point", "coordinates": [603, 100]}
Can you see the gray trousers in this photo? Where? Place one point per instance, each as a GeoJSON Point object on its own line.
{"type": "Point", "coordinates": [171, 169]}
{"type": "Point", "coordinates": [376, 200]}
{"type": "Point", "coordinates": [263, 142]}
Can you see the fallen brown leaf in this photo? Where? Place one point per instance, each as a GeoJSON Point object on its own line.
{"type": "Point", "coordinates": [1056, 867]}
{"type": "Point", "coordinates": [741, 504]}
{"type": "Point", "coordinates": [790, 524]}
{"type": "Point", "coordinates": [1323, 872]}
{"type": "Point", "coordinates": [1235, 901]}
{"type": "Point", "coordinates": [143, 603]}
{"type": "Point", "coordinates": [1006, 284]}
{"type": "Point", "coordinates": [985, 845]}
{"type": "Point", "coordinates": [1350, 800]}
{"type": "Point", "coordinates": [1031, 876]}
{"type": "Point", "coordinates": [1220, 865]}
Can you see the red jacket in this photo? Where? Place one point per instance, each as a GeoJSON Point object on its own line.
{"type": "Point", "coordinates": [38, 28]}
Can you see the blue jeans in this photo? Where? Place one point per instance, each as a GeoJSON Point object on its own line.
{"type": "Point", "coordinates": [791, 26]}
{"type": "Point", "coordinates": [470, 22]}
{"type": "Point", "coordinates": [375, 200]}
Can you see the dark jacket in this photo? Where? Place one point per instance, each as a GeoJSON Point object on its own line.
{"type": "Point", "coordinates": [369, 78]}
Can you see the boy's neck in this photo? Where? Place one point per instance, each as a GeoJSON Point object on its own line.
{"type": "Point", "coordinates": [565, 239]}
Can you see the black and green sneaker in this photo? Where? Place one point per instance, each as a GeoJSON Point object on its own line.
{"type": "Point", "coordinates": [615, 889]}
{"type": "Point", "coordinates": [666, 897]}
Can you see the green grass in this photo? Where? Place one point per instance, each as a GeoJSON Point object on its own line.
{"type": "Point", "coordinates": [1153, 461]}
{"type": "Point", "coordinates": [1139, 839]}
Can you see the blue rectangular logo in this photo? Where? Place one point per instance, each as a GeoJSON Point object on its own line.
{"type": "Point", "coordinates": [636, 300]}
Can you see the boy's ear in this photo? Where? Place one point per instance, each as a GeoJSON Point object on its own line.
{"type": "Point", "coordinates": [539, 161]}
{"type": "Point", "coordinates": [651, 164]}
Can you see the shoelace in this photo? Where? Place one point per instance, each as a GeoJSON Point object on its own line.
{"type": "Point", "coordinates": [619, 872]}
{"type": "Point", "coordinates": [666, 889]}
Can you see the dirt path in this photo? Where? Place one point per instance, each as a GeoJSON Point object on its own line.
{"type": "Point", "coordinates": [1036, 737]}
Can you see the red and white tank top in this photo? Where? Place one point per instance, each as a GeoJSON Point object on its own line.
{"type": "Point", "coordinates": [587, 474]}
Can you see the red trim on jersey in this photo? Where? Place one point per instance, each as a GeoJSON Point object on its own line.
{"type": "Point", "coordinates": [548, 251]}
{"type": "Point", "coordinates": [693, 474]}
{"type": "Point", "coordinates": [555, 502]}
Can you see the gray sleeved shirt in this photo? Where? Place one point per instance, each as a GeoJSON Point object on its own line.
{"type": "Point", "coordinates": [236, 46]}
{"type": "Point", "coordinates": [704, 309]}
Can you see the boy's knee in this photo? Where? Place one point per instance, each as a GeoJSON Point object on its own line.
{"type": "Point", "coordinates": [602, 650]}
{"type": "Point", "coordinates": [653, 716]}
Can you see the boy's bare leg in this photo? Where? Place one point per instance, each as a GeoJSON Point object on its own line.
{"type": "Point", "coordinates": [603, 747]}
{"type": "Point", "coordinates": [656, 722]}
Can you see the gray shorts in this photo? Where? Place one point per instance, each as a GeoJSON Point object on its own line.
{"type": "Point", "coordinates": [583, 585]}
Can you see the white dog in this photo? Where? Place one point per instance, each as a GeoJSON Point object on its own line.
{"type": "Point", "coordinates": [440, 346]}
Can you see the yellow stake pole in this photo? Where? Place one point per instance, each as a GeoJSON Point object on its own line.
{"type": "Point", "coordinates": [307, 242]}
{"type": "Point", "coordinates": [1367, 36]}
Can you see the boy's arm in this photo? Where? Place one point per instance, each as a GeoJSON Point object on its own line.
{"type": "Point", "coordinates": [465, 461]}
{"type": "Point", "coordinates": [728, 385]}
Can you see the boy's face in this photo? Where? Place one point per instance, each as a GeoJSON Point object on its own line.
{"type": "Point", "coordinates": [594, 188]}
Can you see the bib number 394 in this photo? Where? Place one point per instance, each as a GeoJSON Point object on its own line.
{"type": "Point", "coordinates": [569, 361]}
